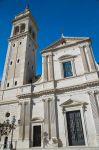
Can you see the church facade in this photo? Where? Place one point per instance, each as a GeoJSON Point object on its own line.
{"type": "Point", "coordinates": [61, 107]}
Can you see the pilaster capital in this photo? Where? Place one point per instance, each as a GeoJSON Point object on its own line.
{"type": "Point", "coordinates": [85, 46]}
{"type": "Point", "coordinates": [81, 47]}
{"type": "Point", "coordinates": [47, 99]}
{"type": "Point", "coordinates": [63, 110]}
{"type": "Point", "coordinates": [96, 91]}
{"type": "Point", "coordinates": [93, 92]}
{"type": "Point", "coordinates": [90, 93]}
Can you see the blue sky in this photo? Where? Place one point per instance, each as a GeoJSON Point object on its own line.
{"type": "Point", "coordinates": [53, 17]}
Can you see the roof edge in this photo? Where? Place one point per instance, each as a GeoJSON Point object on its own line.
{"type": "Point", "coordinates": [49, 48]}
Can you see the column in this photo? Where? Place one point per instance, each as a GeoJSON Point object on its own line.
{"type": "Point", "coordinates": [91, 58]}
{"type": "Point", "coordinates": [50, 68]}
{"type": "Point", "coordinates": [84, 59]}
{"type": "Point", "coordinates": [44, 69]}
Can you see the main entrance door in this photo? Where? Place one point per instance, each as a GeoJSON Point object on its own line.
{"type": "Point", "coordinates": [36, 136]}
{"type": "Point", "coordinates": [75, 129]}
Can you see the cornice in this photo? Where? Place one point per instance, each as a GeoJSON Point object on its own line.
{"type": "Point", "coordinates": [21, 16]}
{"type": "Point", "coordinates": [60, 90]}
{"type": "Point", "coordinates": [16, 37]}
{"type": "Point", "coordinates": [24, 15]}
{"type": "Point", "coordinates": [5, 102]}
{"type": "Point", "coordinates": [65, 46]}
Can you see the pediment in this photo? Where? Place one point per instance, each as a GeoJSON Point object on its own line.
{"type": "Point", "coordinates": [72, 103]}
{"type": "Point", "coordinates": [66, 56]}
{"type": "Point", "coordinates": [37, 119]}
{"type": "Point", "coordinates": [65, 41]}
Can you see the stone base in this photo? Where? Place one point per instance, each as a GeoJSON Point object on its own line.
{"type": "Point", "coordinates": [65, 148]}
{"type": "Point", "coordinates": [23, 144]}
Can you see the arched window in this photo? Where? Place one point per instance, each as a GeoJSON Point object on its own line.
{"type": "Point", "coordinates": [33, 35]}
{"type": "Point", "coordinates": [22, 27]}
{"type": "Point", "coordinates": [15, 83]}
{"type": "Point", "coordinates": [10, 62]}
{"type": "Point", "coordinates": [30, 30]}
{"type": "Point", "coordinates": [18, 60]}
{"type": "Point", "coordinates": [7, 84]}
{"type": "Point", "coordinates": [16, 30]}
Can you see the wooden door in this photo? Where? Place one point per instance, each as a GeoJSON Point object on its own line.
{"type": "Point", "coordinates": [36, 136]}
{"type": "Point", "coordinates": [75, 128]}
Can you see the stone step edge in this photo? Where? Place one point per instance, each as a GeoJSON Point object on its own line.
{"type": "Point", "coordinates": [65, 148]}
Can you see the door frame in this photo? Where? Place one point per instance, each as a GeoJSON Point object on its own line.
{"type": "Point", "coordinates": [36, 124]}
{"type": "Point", "coordinates": [80, 108]}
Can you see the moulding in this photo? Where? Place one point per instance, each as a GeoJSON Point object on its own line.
{"type": "Point", "coordinates": [67, 89]}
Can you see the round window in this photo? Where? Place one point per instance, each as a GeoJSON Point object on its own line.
{"type": "Point", "coordinates": [7, 114]}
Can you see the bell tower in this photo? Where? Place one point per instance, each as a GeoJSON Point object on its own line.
{"type": "Point", "coordinates": [20, 64]}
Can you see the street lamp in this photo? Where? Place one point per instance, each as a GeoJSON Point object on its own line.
{"type": "Point", "coordinates": [12, 128]}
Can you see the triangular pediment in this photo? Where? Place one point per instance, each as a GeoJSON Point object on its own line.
{"type": "Point", "coordinates": [37, 119]}
{"type": "Point", "coordinates": [72, 103]}
{"type": "Point", "coordinates": [66, 56]}
{"type": "Point", "coordinates": [65, 41]}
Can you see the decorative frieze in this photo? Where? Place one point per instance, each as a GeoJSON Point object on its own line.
{"type": "Point", "coordinates": [66, 89]}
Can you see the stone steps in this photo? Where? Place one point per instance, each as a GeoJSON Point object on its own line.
{"type": "Point", "coordinates": [67, 148]}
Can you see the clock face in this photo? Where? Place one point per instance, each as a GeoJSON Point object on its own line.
{"type": "Point", "coordinates": [7, 114]}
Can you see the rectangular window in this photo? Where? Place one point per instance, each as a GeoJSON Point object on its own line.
{"type": "Point", "coordinates": [67, 69]}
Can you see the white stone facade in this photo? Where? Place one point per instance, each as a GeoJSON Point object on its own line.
{"type": "Point", "coordinates": [41, 107]}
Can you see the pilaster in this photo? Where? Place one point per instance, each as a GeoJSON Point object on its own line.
{"type": "Point", "coordinates": [21, 122]}
{"type": "Point", "coordinates": [95, 111]}
{"type": "Point", "coordinates": [50, 121]}
{"type": "Point", "coordinates": [91, 58]}
{"type": "Point", "coordinates": [50, 71]}
{"type": "Point", "coordinates": [27, 120]}
{"type": "Point", "coordinates": [24, 123]}
{"type": "Point", "coordinates": [84, 59]}
{"type": "Point", "coordinates": [44, 69]}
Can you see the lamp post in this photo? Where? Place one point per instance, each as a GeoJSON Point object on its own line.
{"type": "Point", "coordinates": [12, 128]}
